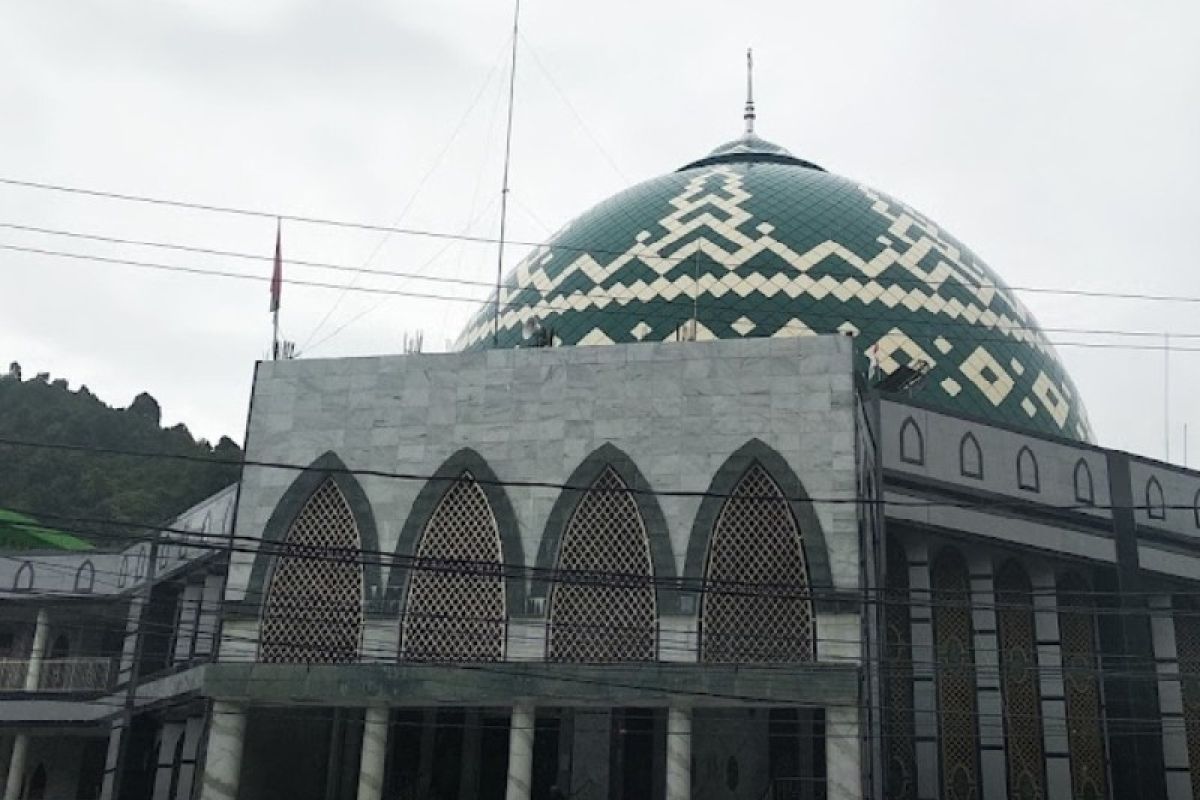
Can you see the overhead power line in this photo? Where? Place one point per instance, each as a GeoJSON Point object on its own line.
{"type": "Point", "coordinates": [855, 500]}
{"type": "Point", "coordinates": [480, 239]}
{"type": "Point", "coordinates": [563, 303]}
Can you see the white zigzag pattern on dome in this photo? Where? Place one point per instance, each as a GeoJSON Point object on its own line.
{"type": "Point", "coordinates": [951, 267]}
{"type": "Point", "coordinates": [531, 272]}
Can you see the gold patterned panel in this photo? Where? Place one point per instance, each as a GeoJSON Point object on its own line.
{"type": "Point", "coordinates": [313, 613]}
{"type": "Point", "coordinates": [756, 607]}
{"type": "Point", "coordinates": [1187, 647]}
{"type": "Point", "coordinates": [955, 667]}
{"type": "Point", "coordinates": [1019, 683]}
{"type": "Point", "coordinates": [1085, 725]}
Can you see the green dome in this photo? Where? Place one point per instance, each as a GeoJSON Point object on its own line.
{"type": "Point", "coordinates": [780, 247]}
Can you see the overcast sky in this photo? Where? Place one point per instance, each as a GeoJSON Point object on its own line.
{"type": "Point", "coordinates": [1060, 140]}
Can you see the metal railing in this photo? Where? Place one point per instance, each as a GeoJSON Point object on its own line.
{"type": "Point", "coordinates": [59, 674]}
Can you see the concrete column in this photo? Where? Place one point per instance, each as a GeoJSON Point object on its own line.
{"type": "Point", "coordinates": [16, 767]}
{"type": "Point", "coordinates": [843, 754]}
{"type": "Point", "coordinates": [1170, 700]}
{"type": "Point", "coordinates": [1050, 683]}
{"type": "Point", "coordinates": [993, 777]}
{"type": "Point", "coordinates": [223, 762]}
{"type": "Point", "coordinates": [679, 753]}
{"type": "Point", "coordinates": [41, 632]}
{"type": "Point", "coordinates": [520, 753]}
{"type": "Point", "coordinates": [374, 754]}
{"type": "Point", "coordinates": [33, 679]}
{"type": "Point", "coordinates": [924, 657]}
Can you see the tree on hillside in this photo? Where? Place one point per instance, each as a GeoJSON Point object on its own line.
{"type": "Point", "coordinates": [92, 486]}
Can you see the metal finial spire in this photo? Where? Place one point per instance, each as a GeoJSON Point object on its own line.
{"type": "Point", "coordinates": [749, 115]}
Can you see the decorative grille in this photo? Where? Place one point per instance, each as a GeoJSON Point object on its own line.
{"type": "Point", "coordinates": [756, 606]}
{"type": "Point", "coordinates": [602, 608]}
{"type": "Point", "coordinates": [1085, 732]}
{"type": "Point", "coordinates": [1019, 682]}
{"type": "Point", "coordinates": [901, 752]}
{"type": "Point", "coordinates": [455, 609]}
{"type": "Point", "coordinates": [1187, 647]}
{"type": "Point", "coordinates": [313, 612]}
{"type": "Point", "coordinates": [955, 667]}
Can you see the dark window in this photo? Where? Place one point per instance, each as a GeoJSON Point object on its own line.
{"type": "Point", "coordinates": [1156, 504]}
{"type": "Point", "coordinates": [1084, 490]}
{"type": "Point", "coordinates": [37, 784]}
{"type": "Point", "coordinates": [85, 577]}
{"type": "Point", "coordinates": [912, 444]}
{"type": "Point", "coordinates": [1027, 471]}
{"type": "Point", "coordinates": [970, 457]}
{"type": "Point", "coordinates": [23, 580]}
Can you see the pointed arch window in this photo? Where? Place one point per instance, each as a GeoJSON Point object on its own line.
{"type": "Point", "coordinates": [314, 606]}
{"type": "Point", "coordinates": [1085, 491]}
{"type": "Point", "coordinates": [756, 607]}
{"type": "Point", "coordinates": [912, 443]}
{"type": "Point", "coordinates": [970, 457]}
{"type": "Point", "coordinates": [23, 580]}
{"type": "Point", "coordinates": [1027, 470]}
{"type": "Point", "coordinates": [602, 606]}
{"type": "Point", "coordinates": [455, 609]}
{"type": "Point", "coordinates": [1019, 682]}
{"type": "Point", "coordinates": [1081, 668]}
{"type": "Point", "coordinates": [901, 749]}
{"type": "Point", "coordinates": [85, 577]}
{"type": "Point", "coordinates": [1156, 504]}
{"type": "Point", "coordinates": [955, 672]}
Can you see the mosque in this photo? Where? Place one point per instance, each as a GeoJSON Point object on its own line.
{"type": "Point", "coordinates": [752, 483]}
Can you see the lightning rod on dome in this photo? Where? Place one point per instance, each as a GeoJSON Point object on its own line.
{"type": "Point", "coordinates": [512, 88]}
{"type": "Point", "coordinates": [749, 115]}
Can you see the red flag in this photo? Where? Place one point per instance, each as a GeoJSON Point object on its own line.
{"type": "Point", "coordinates": [277, 275]}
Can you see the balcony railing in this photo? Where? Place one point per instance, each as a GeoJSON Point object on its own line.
{"type": "Point", "coordinates": [59, 674]}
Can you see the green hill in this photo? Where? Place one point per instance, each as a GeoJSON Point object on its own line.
{"type": "Point", "coordinates": [96, 486]}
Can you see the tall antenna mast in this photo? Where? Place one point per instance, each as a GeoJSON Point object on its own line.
{"type": "Point", "coordinates": [749, 115]}
{"type": "Point", "coordinates": [512, 85]}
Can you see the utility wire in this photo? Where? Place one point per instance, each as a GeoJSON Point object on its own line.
{"type": "Point", "coordinates": [865, 596]}
{"type": "Point", "coordinates": [480, 239]}
{"type": "Point", "coordinates": [854, 500]}
{"type": "Point", "coordinates": [562, 303]}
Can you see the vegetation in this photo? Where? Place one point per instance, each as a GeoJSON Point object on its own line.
{"type": "Point", "coordinates": [22, 532]}
{"type": "Point", "coordinates": [65, 487]}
